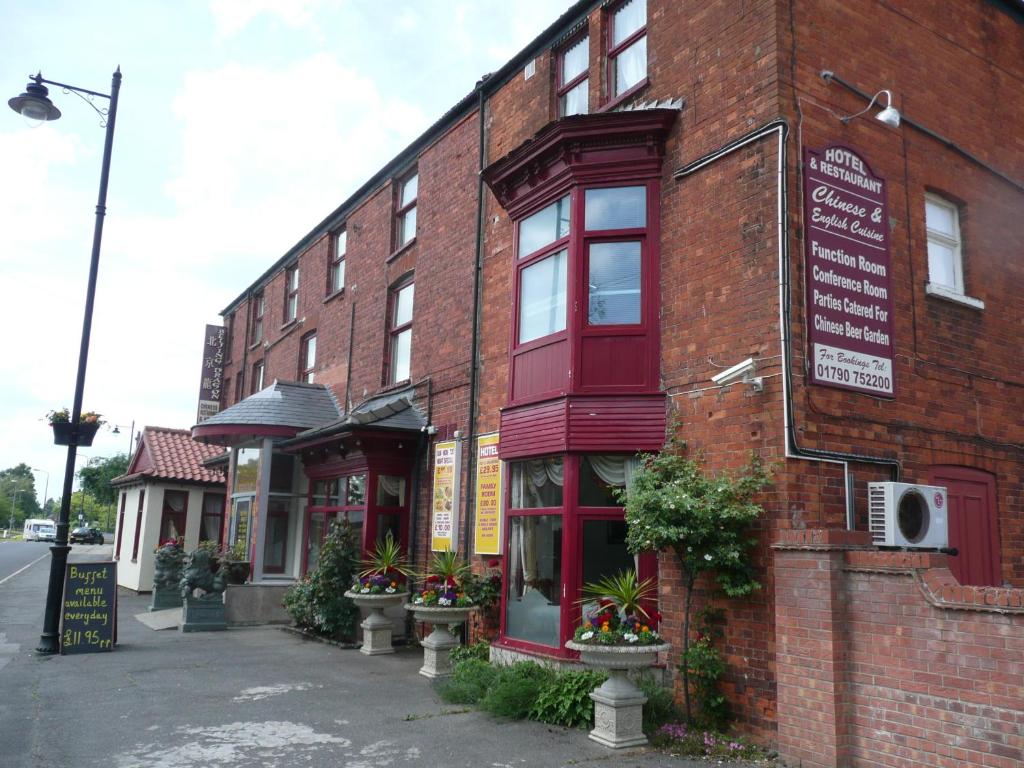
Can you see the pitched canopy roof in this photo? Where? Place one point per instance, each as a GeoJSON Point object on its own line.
{"type": "Point", "coordinates": [391, 411]}
{"type": "Point", "coordinates": [283, 409]}
{"type": "Point", "coordinates": [171, 454]}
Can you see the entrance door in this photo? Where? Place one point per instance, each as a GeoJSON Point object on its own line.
{"type": "Point", "coordinates": [973, 526]}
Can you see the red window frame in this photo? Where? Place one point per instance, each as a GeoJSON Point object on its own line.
{"type": "Point", "coordinates": [403, 209]}
{"type": "Point", "coordinates": [307, 367]}
{"type": "Point", "coordinates": [573, 516]}
{"type": "Point", "coordinates": [394, 331]}
{"type": "Point", "coordinates": [291, 293]}
{"type": "Point", "coordinates": [138, 525]}
{"type": "Point", "coordinates": [120, 526]}
{"type": "Point", "coordinates": [614, 51]}
{"type": "Point", "coordinates": [577, 243]}
{"type": "Point", "coordinates": [180, 518]}
{"type": "Point", "coordinates": [336, 261]}
{"type": "Point", "coordinates": [259, 308]}
{"type": "Point", "coordinates": [258, 370]}
{"type": "Point", "coordinates": [219, 516]}
{"type": "Point", "coordinates": [562, 88]}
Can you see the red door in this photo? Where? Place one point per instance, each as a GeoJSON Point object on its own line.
{"type": "Point", "coordinates": [973, 527]}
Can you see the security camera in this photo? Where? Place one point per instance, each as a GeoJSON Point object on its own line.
{"type": "Point", "coordinates": [741, 372]}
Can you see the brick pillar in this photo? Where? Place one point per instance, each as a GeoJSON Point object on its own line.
{"type": "Point", "coordinates": [809, 645]}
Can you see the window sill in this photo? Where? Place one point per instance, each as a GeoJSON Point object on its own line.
{"type": "Point", "coordinates": [622, 98]}
{"type": "Point", "coordinates": [255, 345]}
{"type": "Point", "coordinates": [941, 292]}
{"type": "Point", "coordinates": [287, 326]}
{"type": "Point", "coordinates": [400, 251]}
{"type": "Point", "coordinates": [336, 294]}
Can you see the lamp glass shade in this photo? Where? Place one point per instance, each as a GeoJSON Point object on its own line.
{"type": "Point", "coordinates": [890, 116]}
{"type": "Point", "coordinates": [34, 105]}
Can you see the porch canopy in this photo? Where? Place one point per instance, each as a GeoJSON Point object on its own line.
{"type": "Point", "coordinates": [282, 410]}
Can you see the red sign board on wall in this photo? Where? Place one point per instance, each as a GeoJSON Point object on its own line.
{"type": "Point", "coordinates": [849, 273]}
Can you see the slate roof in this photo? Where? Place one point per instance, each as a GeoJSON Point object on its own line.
{"type": "Point", "coordinates": [172, 454]}
{"type": "Point", "coordinates": [282, 404]}
{"type": "Point", "coordinates": [391, 411]}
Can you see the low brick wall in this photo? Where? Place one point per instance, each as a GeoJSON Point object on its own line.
{"type": "Point", "coordinates": [883, 659]}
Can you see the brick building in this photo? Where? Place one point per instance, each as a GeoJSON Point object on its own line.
{"type": "Point", "coordinates": [647, 196]}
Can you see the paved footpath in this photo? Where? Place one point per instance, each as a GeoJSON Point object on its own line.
{"type": "Point", "coordinates": [245, 697]}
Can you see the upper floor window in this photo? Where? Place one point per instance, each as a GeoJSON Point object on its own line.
{"type": "Point", "coordinates": [291, 293]}
{"type": "Point", "coordinates": [336, 265]}
{"type": "Point", "coordinates": [257, 377]}
{"type": "Point", "coordinates": [573, 83]}
{"type": "Point", "coordinates": [543, 275]}
{"type": "Point", "coordinates": [627, 47]}
{"type": "Point", "coordinates": [406, 209]}
{"type": "Point", "coordinates": [307, 357]}
{"type": "Point", "coordinates": [613, 269]}
{"type": "Point", "coordinates": [400, 333]}
{"type": "Point", "coordinates": [229, 336]}
{"type": "Point", "coordinates": [945, 262]}
{"type": "Point", "coordinates": [259, 306]}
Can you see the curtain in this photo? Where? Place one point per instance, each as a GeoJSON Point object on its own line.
{"type": "Point", "coordinates": [614, 470]}
{"type": "Point", "coordinates": [211, 528]}
{"type": "Point", "coordinates": [176, 501]}
{"type": "Point", "coordinates": [393, 485]}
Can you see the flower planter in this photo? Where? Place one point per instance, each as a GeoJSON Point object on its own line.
{"type": "Point", "coordinates": [438, 644]}
{"type": "Point", "coordinates": [376, 626]}
{"type": "Point", "coordinates": [86, 432]}
{"type": "Point", "coordinates": [618, 704]}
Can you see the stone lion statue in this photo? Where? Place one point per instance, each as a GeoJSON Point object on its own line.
{"type": "Point", "coordinates": [199, 575]}
{"type": "Point", "coordinates": [168, 565]}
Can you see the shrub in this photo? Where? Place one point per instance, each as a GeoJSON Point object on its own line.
{"type": "Point", "coordinates": [565, 700]}
{"type": "Point", "coordinates": [515, 690]}
{"type": "Point", "coordinates": [317, 602]}
{"type": "Point", "coordinates": [479, 650]}
{"type": "Point", "coordinates": [471, 678]}
{"type": "Point", "coordinates": [661, 704]}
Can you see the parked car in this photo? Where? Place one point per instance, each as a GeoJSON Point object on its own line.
{"type": "Point", "coordinates": [86, 535]}
{"type": "Point", "coordinates": [40, 530]}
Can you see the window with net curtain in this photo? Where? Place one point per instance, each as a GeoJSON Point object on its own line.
{"type": "Point", "coordinates": [535, 573]}
{"type": "Point", "coordinates": [627, 52]}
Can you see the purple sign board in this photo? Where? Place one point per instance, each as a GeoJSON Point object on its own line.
{"type": "Point", "coordinates": [849, 273]}
{"type": "Point", "coordinates": [213, 372]}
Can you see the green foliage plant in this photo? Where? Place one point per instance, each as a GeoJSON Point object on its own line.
{"type": "Point", "coordinates": [470, 680]}
{"type": "Point", "coordinates": [706, 668]}
{"type": "Point", "coordinates": [386, 559]}
{"type": "Point", "coordinates": [479, 650]}
{"type": "Point", "coordinates": [514, 691]}
{"type": "Point", "coordinates": [566, 701]}
{"type": "Point", "coordinates": [317, 602]}
{"type": "Point", "coordinates": [661, 704]}
{"type": "Point", "coordinates": [444, 584]}
{"type": "Point", "coordinates": [704, 519]}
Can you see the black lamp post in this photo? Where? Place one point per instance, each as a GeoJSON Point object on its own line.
{"type": "Point", "coordinates": [35, 105]}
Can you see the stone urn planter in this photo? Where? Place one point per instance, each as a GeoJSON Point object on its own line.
{"type": "Point", "coordinates": [618, 704]}
{"type": "Point", "coordinates": [376, 626]}
{"type": "Point", "coordinates": [438, 644]}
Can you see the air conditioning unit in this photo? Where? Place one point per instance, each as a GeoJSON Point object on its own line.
{"type": "Point", "coordinates": [908, 515]}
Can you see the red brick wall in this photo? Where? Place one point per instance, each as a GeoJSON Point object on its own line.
{"type": "Point", "coordinates": [884, 660]}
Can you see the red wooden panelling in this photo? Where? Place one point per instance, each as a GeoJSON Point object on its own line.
{"type": "Point", "coordinates": [614, 361]}
{"type": "Point", "coordinates": [541, 371]}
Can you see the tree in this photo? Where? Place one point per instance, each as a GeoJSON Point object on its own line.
{"type": "Point", "coordinates": [704, 520]}
{"type": "Point", "coordinates": [20, 482]}
{"type": "Point", "coordinates": [95, 477]}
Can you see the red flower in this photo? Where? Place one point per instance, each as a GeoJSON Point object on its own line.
{"type": "Point", "coordinates": [493, 562]}
{"type": "Point", "coordinates": [431, 579]}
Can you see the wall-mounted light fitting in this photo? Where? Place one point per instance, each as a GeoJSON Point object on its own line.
{"type": "Point", "coordinates": [889, 114]}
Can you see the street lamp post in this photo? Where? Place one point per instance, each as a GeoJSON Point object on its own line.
{"type": "Point", "coordinates": [34, 105]}
{"type": "Point", "coordinates": [131, 437]}
{"type": "Point", "coordinates": [46, 491]}
{"type": "Point", "coordinates": [14, 507]}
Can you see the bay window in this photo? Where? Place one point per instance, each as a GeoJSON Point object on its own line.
{"type": "Point", "coordinates": [566, 528]}
{"type": "Point", "coordinates": [627, 47]}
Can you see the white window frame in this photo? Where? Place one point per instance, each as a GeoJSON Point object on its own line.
{"type": "Point", "coordinates": [957, 291]}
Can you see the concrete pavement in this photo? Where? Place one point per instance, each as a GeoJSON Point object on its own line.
{"type": "Point", "coordinates": [245, 697]}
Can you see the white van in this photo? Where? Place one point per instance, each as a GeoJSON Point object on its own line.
{"type": "Point", "coordinates": [40, 530]}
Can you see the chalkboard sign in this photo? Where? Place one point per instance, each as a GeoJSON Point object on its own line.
{"type": "Point", "coordinates": [89, 613]}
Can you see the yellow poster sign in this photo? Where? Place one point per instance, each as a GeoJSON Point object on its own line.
{"type": "Point", "coordinates": [487, 536]}
{"type": "Point", "coordinates": [444, 520]}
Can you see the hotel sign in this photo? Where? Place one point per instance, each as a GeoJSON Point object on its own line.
{"type": "Point", "coordinates": [487, 523]}
{"type": "Point", "coordinates": [213, 373]}
{"type": "Point", "coordinates": [849, 273]}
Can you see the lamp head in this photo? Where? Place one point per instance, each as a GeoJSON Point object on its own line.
{"type": "Point", "coordinates": [890, 116]}
{"type": "Point", "coordinates": [34, 104]}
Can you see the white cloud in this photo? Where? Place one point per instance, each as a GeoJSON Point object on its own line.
{"type": "Point", "coordinates": [233, 16]}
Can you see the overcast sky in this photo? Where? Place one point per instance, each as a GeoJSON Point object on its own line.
{"type": "Point", "coordinates": [242, 123]}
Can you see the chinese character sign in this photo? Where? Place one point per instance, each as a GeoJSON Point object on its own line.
{"type": "Point", "coordinates": [487, 533]}
{"type": "Point", "coordinates": [849, 273]}
{"type": "Point", "coordinates": [444, 520]}
{"type": "Point", "coordinates": [212, 376]}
